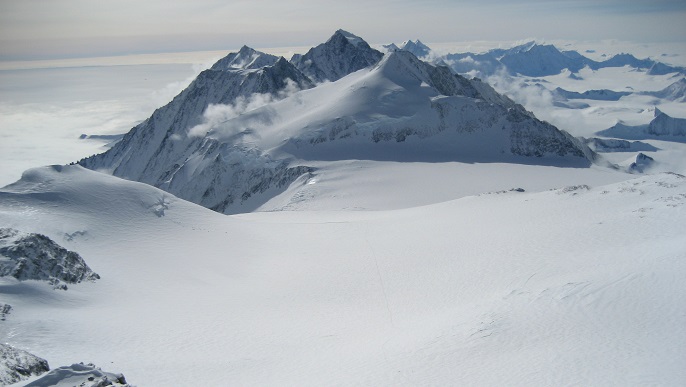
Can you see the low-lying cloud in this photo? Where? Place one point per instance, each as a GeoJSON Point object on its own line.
{"type": "Point", "coordinates": [216, 115]}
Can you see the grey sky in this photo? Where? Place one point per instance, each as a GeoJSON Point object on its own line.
{"type": "Point", "coordinates": [41, 29]}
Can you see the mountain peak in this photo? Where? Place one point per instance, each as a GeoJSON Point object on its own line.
{"type": "Point", "coordinates": [245, 58]}
{"type": "Point", "coordinates": [351, 38]}
{"type": "Point", "coordinates": [341, 55]}
{"type": "Point", "coordinates": [416, 47]}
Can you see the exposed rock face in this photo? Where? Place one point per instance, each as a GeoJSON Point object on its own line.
{"type": "Point", "coordinates": [27, 256]}
{"type": "Point", "coordinates": [641, 164]}
{"type": "Point", "coordinates": [17, 365]}
{"type": "Point", "coordinates": [84, 375]}
{"type": "Point", "coordinates": [4, 311]}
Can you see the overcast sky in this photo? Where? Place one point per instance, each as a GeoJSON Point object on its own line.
{"type": "Point", "coordinates": [45, 29]}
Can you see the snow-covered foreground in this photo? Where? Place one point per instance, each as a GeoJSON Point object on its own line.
{"type": "Point", "coordinates": [575, 285]}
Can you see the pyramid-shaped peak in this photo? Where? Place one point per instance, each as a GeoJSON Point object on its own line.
{"type": "Point", "coordinates": [658, 112]}
{"type": "Point", "coordinates": [349, 37]}
{"type": "Point", "coordinates": [245, 58]}
{"type": "Point", "coordinates": [398, 65]}
{"type": "Point", "coordinates": [415, 42]}
{"type": "Point", "coordinates": [341, 55]}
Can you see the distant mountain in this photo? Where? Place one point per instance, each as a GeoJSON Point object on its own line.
{"type": "Point", "coordinates": [598, 95]}
{"type": "Point", "coordinates": [616, 145]}
{"type": "Point", "coordinates": [341, 55]}
{"type": "Point", "coordinates": [642, 163]}
{"type": "Point", "coordinates": [662, 127]}
{"type": "Point", "coordinates": [542, 60]}
{"type": "Point", "coordinates": [537, 60]}
{"type": "Point", "coordinates": [674, 92]}
{"type": "Point", "coordinates": [481, 65]}
{"type": "Point", "coordinates": [392, 107]}
{"type": "Point", "coordinates": [416, 47]}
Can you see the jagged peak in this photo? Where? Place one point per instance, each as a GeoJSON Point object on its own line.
{"type": "Point", "coordinates": [622, 55]}
{"type": "Point", "coordinates": [416, 47]}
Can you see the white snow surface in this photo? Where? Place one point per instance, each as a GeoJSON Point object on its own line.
{"type": "Point", "coordinates": [397, 267]}
{"type": "Point", "coordinates": [577, 285]}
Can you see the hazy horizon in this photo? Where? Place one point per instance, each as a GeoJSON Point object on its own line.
{"type": "Point", "coordinates": [60, 29]}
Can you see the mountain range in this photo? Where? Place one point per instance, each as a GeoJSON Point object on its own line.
{"type": "Point", "coordinates": [539, 60]}
{"type": "Point", "coordinates": [253, 123]}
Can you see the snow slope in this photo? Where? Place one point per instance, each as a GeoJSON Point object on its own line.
{"type": "Point", "coordinates": [578, 285]}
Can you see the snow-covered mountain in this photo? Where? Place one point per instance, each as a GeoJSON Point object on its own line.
{"type": "Point", "coordinates": [662, 127]}
{"type": "Point", "coordinates": [539, 60]}
{"type": "Point", "coordinates": [598, 95]}
{"type": "Point", "coordinates": [342, 54]}
{"type": "Point", "coordinates": [675, 92]}
{"type": "Point", "coordinates": [617, 145]}
{"type": "Point", "coordinates": [416, 47]}
{"type": "Point", "coordinates": [232, 158]}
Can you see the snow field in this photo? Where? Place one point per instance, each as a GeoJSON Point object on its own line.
{"type": "Point", "coordinates": [567, 286]}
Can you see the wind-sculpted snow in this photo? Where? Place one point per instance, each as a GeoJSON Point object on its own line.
{"type": "Point", "coordinates": [17, 365]}
{"type": "Point", "coordinates": [239, 135]}
{"type": "Point", "coordinates": [28, 256]}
